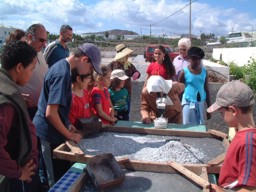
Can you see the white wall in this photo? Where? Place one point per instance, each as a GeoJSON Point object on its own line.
{"type": "Point", "coordinates": [239, 56]}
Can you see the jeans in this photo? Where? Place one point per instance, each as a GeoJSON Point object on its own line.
{"type": "Point", "coordinates": [47, 157]}
{"type": "Point", "coordinates": [193, 113]}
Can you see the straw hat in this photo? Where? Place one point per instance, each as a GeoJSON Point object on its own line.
{"type": "Point", "coordinates": [122, 51]}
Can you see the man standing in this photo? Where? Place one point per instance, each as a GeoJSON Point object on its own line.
{"type": "Point", "coordinates": [36, 37]}
{"type": "Point", "coordinates": [58, 49]}
{"type": "Point", "coordinates": [51, 119]}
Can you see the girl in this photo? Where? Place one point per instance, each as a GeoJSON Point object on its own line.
{"type": "Point", "coordinates": [80, 107]}
{"type": "Point", "coordinates": [162, 65]}
{"type": "Point", "coordinates": [121, 62]}
{"type": "Point", "coordinates": [119, 95]}
{"type": "Point", "coordinates": [195, 78]}
{"type": "Point", "coordinates": [100, 98]}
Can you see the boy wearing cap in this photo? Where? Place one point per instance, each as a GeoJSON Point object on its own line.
{"type": "Point", "coordinates": [196, 93]}
{"type": "Point", "coordinates": [51, 119]}
{"type": "Point", "coordinates": [238, 172]}
{"type": "Point", "coordinates": [119, 95]}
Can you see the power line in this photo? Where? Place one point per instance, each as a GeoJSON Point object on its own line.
{"type": "Point", "coordinates": [173, 13]}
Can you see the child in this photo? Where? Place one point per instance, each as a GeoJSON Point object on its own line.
{"type": "Point", "coordinates": [238, 172]}
{"type": "Point", "coordinates": [18, 143]}
{"type": "Point", "coordinates": [162, 65]}
{"type": "Point", "coordinates": [119, 95]}
{"type": "Point", "coordinates": [51, 119]}
{"type": "Point", "coordinates": [80, 107]}
{"type": "Point", "coordinates": [121, 62]}
{"type": "Point", "coordinates": [100, 98]}
{"type": "Point", "coordinates": [195, 78]}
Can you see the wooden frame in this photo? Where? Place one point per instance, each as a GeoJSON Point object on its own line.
{"type": "Point", "coordinates": [195, 172]}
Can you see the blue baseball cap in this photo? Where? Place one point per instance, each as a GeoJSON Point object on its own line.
{"type": "Point", "coordinates": [93, 52]}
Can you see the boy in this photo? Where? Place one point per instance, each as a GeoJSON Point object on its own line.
{"type": "Point", "coordinates": [51, 119]}
{"type": "Point", "coordinates": [238, 172]}
{"type": "Point", "coordinates": [18, 144]}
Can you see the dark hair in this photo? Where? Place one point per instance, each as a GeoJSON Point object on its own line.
{"type": "Point", "coordinates": [115, 83]}
{"type": "Point", "coordinates": [170, 69]}
{"type": "Point", "coordinates": [15, 35]}
{"type": "Point", "coordinates": [64, 28]}
{"type": "Point", "coordinates": [17, 52]}
{"type": "Point", "coordinates": [33, 28]}
{"type": "Point", "coordinates": [244, 110]}
{"type": "Point", "coordinates": [105, 69]}
{"type": "Point", "coordinates": [74, 74]}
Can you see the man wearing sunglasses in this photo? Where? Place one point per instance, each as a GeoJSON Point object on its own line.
{"type": "Point", "coordinates": [58, 49]}
{"type": "Point", "coordinates": [36, 37]}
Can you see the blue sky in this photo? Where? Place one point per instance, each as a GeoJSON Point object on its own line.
{"type": "Point", "coordinates": [208, 16]}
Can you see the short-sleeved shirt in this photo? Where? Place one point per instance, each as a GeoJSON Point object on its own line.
{"type": "Point", "coordinates": [55, 52]}
{"type": "Point", "coordinates": [56, 90]}
{"type": "Point", "coordinates": [156, 69]}
{"type": "Point", "coordinates": [180, 63]}
{"type": "Point", "coordinates": [102, 97]}
{"type": "Point", "coordinates": [239, 166]}
{"type": "Point", "coordinates": [80, 107]}
{"type": "Point", "coordinates": [119, 99]}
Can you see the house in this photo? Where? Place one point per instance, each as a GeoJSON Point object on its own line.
{"type": "Point", "coordinates": [4, 33]}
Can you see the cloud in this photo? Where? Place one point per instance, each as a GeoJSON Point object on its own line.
{"type": "Point", "coordinates": [135, 15]}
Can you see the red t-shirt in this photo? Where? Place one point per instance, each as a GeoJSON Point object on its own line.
{"type": "Point", "coordinates": [102, 97]}
{"type": "Point", "coordinates": [239, 166]}
{"type": "Point", "coordinates": [156, 69]}
{"type": "Point", "coordinates": [80, 107]}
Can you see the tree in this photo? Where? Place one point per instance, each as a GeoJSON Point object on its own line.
{"type": "Point", "coordinates": [106, 34]}
{"type": "Point", "coordinates": [223, 39]}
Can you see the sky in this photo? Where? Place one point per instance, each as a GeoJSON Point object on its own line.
{"type": "Point", "coordinates": [168, 17]}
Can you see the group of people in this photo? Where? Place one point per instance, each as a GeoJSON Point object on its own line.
{"type": "Point", "coordinates": [43, 95]}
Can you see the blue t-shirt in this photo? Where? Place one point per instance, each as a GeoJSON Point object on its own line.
{"type": "Point", "coordinates": [56, 90]}
{"type": "Point", "coordinates": [55, 52]}
{"type": "Point", "coordinates": [194, 84]}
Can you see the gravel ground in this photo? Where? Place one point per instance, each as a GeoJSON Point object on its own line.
{"type": "Point", "coordinates": [153, 148]}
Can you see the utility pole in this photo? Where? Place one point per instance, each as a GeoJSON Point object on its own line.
{"type": "Point", "coordinates": [190, 20]}
{"type": "Point", "coordinates": [150, 30]}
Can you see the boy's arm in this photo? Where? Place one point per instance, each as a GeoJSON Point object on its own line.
{"type": "Point", "coordinates": [8, 167]}
{"type": "Point", "coordinates": [103, 115]}
{"type": "Point", "coordinates": [216, 188]}
{"type": "Point", "coordinates": [53, 117]}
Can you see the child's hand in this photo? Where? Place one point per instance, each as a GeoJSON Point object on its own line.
{"type": "Point", "coordinates": [135, 75]}
{"type": "Point", "coordinates": [27, 171]}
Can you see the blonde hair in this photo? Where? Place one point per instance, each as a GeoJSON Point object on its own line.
{"type": "Point", "coordinates": [185, 41]}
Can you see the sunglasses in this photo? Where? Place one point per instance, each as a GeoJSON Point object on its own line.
{"type": "Point", "coordinates": [41, 39]}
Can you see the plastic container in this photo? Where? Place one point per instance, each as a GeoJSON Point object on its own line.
{"type": "Point", "coordinates": [161, 123]}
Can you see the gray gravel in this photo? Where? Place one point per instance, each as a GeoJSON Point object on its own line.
{"type": "Point", "coordinates": [153, 148]}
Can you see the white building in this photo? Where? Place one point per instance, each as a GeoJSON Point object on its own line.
{"type": "Point", "coordinates": [4, 33]}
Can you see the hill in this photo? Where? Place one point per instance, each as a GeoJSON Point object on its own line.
{"type": "Point", "coordinates": [117, 32]}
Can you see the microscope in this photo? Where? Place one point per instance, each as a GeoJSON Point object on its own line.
{"type": "Point", "coordinates": [161, 103]}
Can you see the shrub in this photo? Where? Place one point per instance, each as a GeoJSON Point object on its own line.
{"type": "Point", "coordinates": [250, 72]}
{"type": "Point", "coordinates": [236, 71]}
